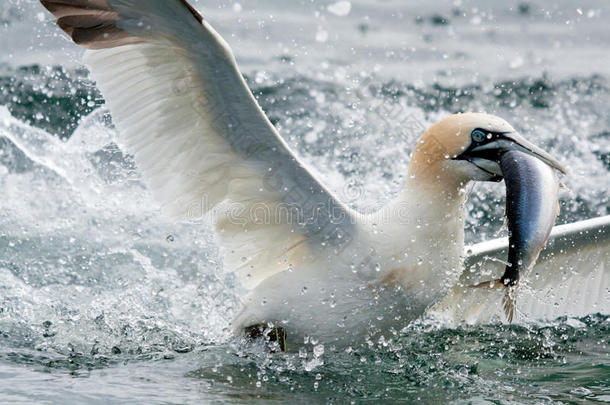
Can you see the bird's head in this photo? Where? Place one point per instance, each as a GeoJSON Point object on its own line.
{"type": "Point", "coordinates": [466, 147]}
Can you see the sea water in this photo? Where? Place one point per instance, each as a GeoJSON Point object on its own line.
{"type": "Point", "coordinates": [103, 300]}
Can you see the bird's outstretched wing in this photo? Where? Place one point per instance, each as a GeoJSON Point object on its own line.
{"type": "Point", "coordinates": [571, 278]}
{"type": "Point", "coordinates": [199, 137]}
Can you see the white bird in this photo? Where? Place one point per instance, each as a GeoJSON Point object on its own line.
{"type": "Point", "coordinates": [309, 264]}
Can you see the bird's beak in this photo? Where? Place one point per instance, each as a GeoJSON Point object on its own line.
{"type": "Point", "coordinates": [487, 155]}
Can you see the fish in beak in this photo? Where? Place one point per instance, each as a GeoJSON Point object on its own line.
{"type": "Point", "coordinates": [532, 193]}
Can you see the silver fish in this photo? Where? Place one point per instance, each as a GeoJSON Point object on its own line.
{"type": "Point", "coordinates": [532, 194]}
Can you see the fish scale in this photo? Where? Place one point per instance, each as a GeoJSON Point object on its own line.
{"type": "Point", "coordinates": [532, 193]}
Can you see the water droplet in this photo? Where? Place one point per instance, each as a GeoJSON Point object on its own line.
{"type": "Point", "coordinates": [340, 8]}
{"type": "Point", "coordinates": [322, 35]}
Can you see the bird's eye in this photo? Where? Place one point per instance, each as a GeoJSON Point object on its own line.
{"type": "Point", "coordinates": [478, 135]}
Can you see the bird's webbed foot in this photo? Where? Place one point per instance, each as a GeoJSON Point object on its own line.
{"type": "Point", "coordinates": [274, 336]}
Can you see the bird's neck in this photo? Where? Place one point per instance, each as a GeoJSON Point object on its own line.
{"type": "Point", "coordinates": [435, 195]}
{"type": "Point", "coordinates": [423, 237]}
{"type": "Point", "coordinates": [431, 211]}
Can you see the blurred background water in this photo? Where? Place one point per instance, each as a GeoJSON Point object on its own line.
{"type": "Point", "coordinates": [102, 300]}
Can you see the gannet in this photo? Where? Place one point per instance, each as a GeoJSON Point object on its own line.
{"type": "Point", "coordinates": [308, 264]}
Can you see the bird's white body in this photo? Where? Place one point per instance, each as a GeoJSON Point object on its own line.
{"type": "Point", "coordinates": [400, 261]}
{"type": "Point", "coordinates": [306, 261]}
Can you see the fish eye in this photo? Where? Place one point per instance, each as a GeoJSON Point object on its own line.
{"type": "Point", "coordinates": [478, 135]}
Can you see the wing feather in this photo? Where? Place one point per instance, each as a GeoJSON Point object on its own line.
{"type": "Point", "coordinates": [201, 141]}
{"type": "Point", "coordinates": [571, 277]}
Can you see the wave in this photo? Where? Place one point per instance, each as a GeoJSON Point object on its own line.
{"type": "Point", "coordinates": [358, 132]}
{"type": "Point", "coordinates": [91, 267]}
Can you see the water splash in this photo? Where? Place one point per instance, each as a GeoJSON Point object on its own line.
{"type": "Point", "coordinates": [87, 265]}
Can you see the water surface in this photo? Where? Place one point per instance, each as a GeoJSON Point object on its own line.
{"type": "Point", "coordinates": [103, 300]}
